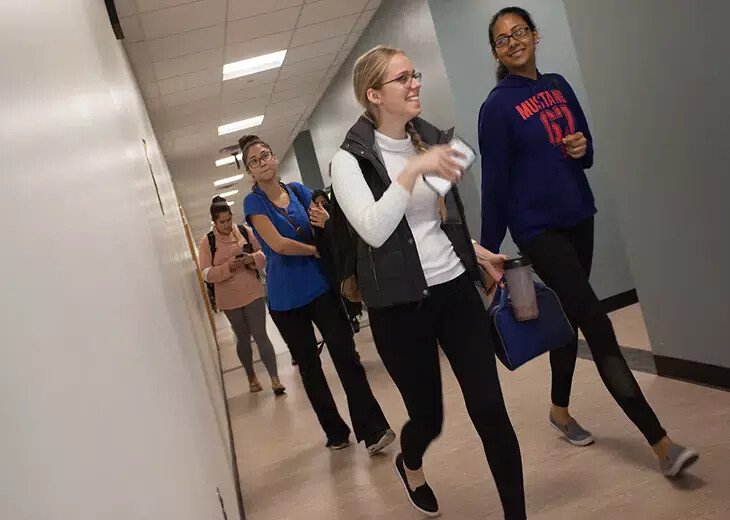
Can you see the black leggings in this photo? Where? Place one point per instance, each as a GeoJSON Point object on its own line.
{"type": "Point", "coordinates": [562, 259]}
{"type": "Point", "coordinates": [329, 315]}
{"type": "Point", "coordinates": [407, 339]}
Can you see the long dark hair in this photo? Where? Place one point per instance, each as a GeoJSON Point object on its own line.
{"type": "Point", "coordinates": [217, 206]}
{"type": "Point", "coordinates": [502, 71]}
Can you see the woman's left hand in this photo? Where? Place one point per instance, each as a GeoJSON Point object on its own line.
{"type": "Point", "coordinates": [492, 264]}
{"type": "Point", "coordinates": [575, 145]}
{"type": "Point", "coordinates": [318, 216]}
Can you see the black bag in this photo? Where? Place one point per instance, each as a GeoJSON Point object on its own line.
{"type": "Point", "coordinates": [343, 243]}
{"type": "Point", "coordinates": [211, 241]}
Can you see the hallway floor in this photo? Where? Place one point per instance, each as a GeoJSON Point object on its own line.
{"type": "Point", "coordinates": [287, 473]}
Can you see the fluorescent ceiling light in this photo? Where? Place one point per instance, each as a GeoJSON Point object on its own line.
{"type": "Point", "coordinates": [240, 125]}
{"type": "Point", "coordinates": [253, 65]}
{"type": "Point", "coordinates": [231, 202]}
{"type": "Point", "coordinates": [228, 160]}
{"type": "Point", "coordinates": [228, 194]}
{"type": "Point", "coordinates": [228, 180]}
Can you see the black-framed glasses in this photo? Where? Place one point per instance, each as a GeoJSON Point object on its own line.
{"type": "Point", "coordinates": [255, 162]}
{"type": "Point", "coordinates": [519, 34]}
{"type": "Point", "coordinates": [404, 79]}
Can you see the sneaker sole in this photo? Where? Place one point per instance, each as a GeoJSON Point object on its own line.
{"type": "Point", "coordinates": [585, 442]}
{"type": "Point", "coordinates": [403, 482]}
{"type": "Point", "coordinates": [383, 443]}
{"type": "Point", "coordinates": [338, 447]}
{"type": "Point", "coordinates": [683, 462]}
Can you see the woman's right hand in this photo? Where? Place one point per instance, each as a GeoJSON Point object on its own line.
{"type": "Point", "coordinates": [440, 160]}
{"type": "Point", "coordinates": [235, 263]}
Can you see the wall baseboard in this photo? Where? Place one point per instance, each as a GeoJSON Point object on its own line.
{"type": "Point", "coordinates": [693, 371]}
{"type": "Point", "coordinates": [619, 301]}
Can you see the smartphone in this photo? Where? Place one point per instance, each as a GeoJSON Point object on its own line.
{"type": "Point", "coordinates": [443, 186]}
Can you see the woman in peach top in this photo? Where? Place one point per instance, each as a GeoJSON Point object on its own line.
{"type": "Point", "coordinates": [233, 271]}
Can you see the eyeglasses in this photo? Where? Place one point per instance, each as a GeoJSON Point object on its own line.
{"type": "Point", "coordinates": [255, 162]}
{"type": "Point", "coordinates": [519, 34]}
{"type": "Point", "coordinates": [404, 79]}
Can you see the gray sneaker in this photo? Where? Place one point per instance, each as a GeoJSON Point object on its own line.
{"type": "Point", "coordinates": [382, 441]}
{"type": "Point", "coordinates": [573, 431]}
{"type": "Point", "coordinates": [678, 459]}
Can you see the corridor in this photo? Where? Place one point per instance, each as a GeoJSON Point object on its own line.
{"type": "Point", "coordinates": [287, 473]}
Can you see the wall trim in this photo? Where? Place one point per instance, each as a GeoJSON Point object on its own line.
{"type": "Point", "coordinates": [620, 301]}
{"type": "Point", "coordinates": [693, 371]}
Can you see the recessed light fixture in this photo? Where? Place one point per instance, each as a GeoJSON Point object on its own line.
{"type": "Point", "coordinates": [228, 160]}
{"type": "Point", "coordinates": [231, 202]}
{"type": "Point", "coordinates": [228, 194]}
{"type": "Point", "coordinates": [240, 125]}
{"type": "Point", "coordinates": [250, 66]}
{"type": "Point", "coordinates": [228, 180]}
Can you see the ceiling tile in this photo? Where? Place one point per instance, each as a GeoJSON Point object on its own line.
{"type": "Point", "coordinates": [201, 106]}
{"type": "Point", "coordinates": [324, 30]}
{"type": "Point", "coordinates": [190, 63]}
{"type": "Point", "coordinates": [304, 90]}
{"type": "Point", "coordinates": [351, 41]}
{"type": "Point", "coordinates": [155, 5]}
{"type": "Point", "coordinates": [144, 72]}
{"type": "Point", "coordinates": [187, 17]}
{"type": "Point", "coordinates": [245, 8]}
{"type": "Point", "coordinates": [150, 89]}
{"type": "Point", "coordinates": [373, 4]}
{"type": "Point", "coordinates": [313, 50]}
{"type": "Point", "coordinates": [137, 52]}
{"type": "Point", "coordinates": [132, 29]}
{"type": "Point", "coordinates": [251, 48]}
{"type": "Point", "coordinates": [190, 95]}
{"type": "Point", "coordinates": [304, 79]}
{"type": "Point", "coordinates": [125, 7]}
{"type": "Point", "coordinates": [188, 81]}
{"type": "Point", "coordinates": [306, 66]}
{"type": "Point", "coordinates": [262, 25]}
{"type": "Point", "coordinates": [286, 108]}
{"type": "Point", "coordinates": [189, 42]}
{"type": "Point", "coordinates": [154, 104]}
{"type": "Point", "coordinates": [364, 20]}
{"type": "Point", "coordinates": [244, 110]}
{"type": "Point", "coordinates": [256, 91]}
{"type": "Point", "coordinates": [328, 9]}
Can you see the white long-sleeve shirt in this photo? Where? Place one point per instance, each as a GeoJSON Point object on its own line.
{"type": "Point", "coordinates": [375, 221]}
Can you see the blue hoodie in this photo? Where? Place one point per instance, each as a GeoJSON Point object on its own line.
{"type": "Point", "coordinates": [529, 183]}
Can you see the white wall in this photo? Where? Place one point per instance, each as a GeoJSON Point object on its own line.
{"type": "Point", "coordinates": [110, 398]}
{"type": "Point", "coordinates": [656, 74]}
{"type": "Point", "coordinates": [462, 29]}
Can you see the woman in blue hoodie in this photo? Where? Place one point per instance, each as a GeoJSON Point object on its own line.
{"type": "Point", "coordinates": [535, 144]}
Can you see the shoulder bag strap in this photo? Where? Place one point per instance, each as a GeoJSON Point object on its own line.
{"type": "Point", "coordinates": [285, 214]}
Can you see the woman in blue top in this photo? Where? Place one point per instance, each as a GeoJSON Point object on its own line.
{"type": "Point", "coordinates": [535, 144]}
{"type": "Point", "coordinates": [299, 295]}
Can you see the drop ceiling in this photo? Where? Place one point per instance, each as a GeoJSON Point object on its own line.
{"type": "Point", "coordinates": [178, 48]}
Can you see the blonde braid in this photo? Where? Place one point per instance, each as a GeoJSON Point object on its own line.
{"type": "Point", "coordinates": [420, 147]}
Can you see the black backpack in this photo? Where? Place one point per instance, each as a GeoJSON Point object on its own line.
{"type": "Point", "coordinates": [343, 246]}
{"type": "Point", "coordinates": [211, 242]}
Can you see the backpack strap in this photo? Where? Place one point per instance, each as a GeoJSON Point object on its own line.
{"type": "Point", "coordinates": [211, 242]}
{"type": "Point", "coordinates": [244, 232]}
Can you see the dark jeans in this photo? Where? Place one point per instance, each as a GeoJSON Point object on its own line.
{"type": "Point", "coordinates": [562, 259]}
{"type": "Point", "coordinates": [407, 338]}
{"type": "Point", "coordinates": [297, 330]}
